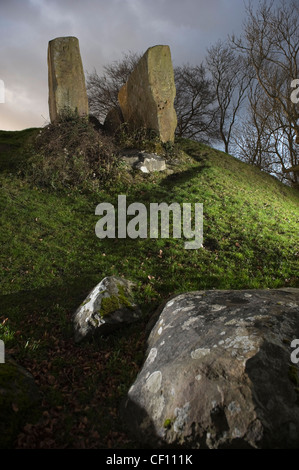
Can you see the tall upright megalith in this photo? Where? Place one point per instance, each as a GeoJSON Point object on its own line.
{"type": "Point", "coordinates": [147, 99]}
{"type": "Point", "coordinates": [67, 89]}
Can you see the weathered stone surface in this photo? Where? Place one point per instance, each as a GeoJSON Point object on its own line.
{"type": "Point", "coordinates": [108, 306]}
{"type": "Point", "coordinates": [218, 373]}
{"type": "Point", "coordinates": [130, 157]}
{"type": "Point", "coordinates": [149, 162]}
{"type": "Point", "coordinates": [146, 100]}
{"type": "Point", "coordinates": [145, 162]}
{"type": "Point", "coordinates": [19, 401]}
{"type": "Point", "coordinates": [67, 89]}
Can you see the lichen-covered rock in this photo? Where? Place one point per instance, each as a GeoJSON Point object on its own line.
{"type": "Point", "coordinates": [145, 162]}
{"type": "Point", "coordinates": [147, 99]}
{"type": "Point", "coordinates": [67, 89]}
{"type": "Point", "coordinates": [19, 401]}
{"type": "Point", "coordinates": [149, 162]}
{"type": "Point", "coordinates": [108, 306]}
{"type": "Point", "coordinates": [218, 373]}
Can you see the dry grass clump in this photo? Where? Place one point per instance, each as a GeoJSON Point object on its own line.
{"type": "Point", "coordinates": [70, 153]}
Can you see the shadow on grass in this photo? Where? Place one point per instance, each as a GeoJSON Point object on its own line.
{"type": "Point", "coordinates": [181, 177]}
{"type": "Point", "coordinates": [31, 313]}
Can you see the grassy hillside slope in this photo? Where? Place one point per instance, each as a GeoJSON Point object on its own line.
{"type": "Point", "coordinates": [51, 258]}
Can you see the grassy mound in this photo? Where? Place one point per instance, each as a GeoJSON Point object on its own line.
{"type": "Point", "coordinates": [51, 258]}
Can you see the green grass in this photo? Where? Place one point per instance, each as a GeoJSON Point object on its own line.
{"type": "Point", "coordinates": [11, 145]}
{"type": "Point", "coordinates": [51, 258]}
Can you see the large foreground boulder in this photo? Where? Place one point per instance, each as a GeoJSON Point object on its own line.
{"type": "Point", "coordinates": [67, 90]}
{"type": "Point", "coordinates": [147, 99]}
{"type": "Point", "coordinates": [218, 373]}
{"type": "Point", "coordinates": [109, 306]}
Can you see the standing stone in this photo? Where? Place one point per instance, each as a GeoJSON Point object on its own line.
{"type": "Point", "coordinates": [146, 100]}
{"type": "Point", "coordinates": [67, 89]}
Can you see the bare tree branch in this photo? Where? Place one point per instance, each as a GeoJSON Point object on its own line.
{"type": "Point", "coordinates": [271, 45]}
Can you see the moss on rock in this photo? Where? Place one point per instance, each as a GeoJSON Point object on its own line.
{"type": "Point", "coordinates": [114, 302]}
{"type": "Point", "coordinates": [168, 423]}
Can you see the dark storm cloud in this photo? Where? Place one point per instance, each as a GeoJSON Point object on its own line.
{"type": "Point", "coordinates": [105, 30]}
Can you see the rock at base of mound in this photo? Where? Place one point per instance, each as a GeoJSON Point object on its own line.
{"type": "Point", "coordinates": [145, 162]}
{"type": "Point", "coordinates": [109, 306]}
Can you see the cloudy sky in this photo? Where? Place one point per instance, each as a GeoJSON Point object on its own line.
{"type": "Point", "coordinates": [105, 29]}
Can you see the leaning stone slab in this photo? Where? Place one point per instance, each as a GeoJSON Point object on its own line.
{"type": "Point", "coordinates": [67, 89]}
{"type": "Point", "coordinates": [147, 99]}
{"type": "Point", "coordinates": [218, 373]}
{"type": "Point", "coordinates": [108, 306]}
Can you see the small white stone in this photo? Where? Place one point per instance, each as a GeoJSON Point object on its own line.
{"type": "Point", "coordinates": [144, 169]}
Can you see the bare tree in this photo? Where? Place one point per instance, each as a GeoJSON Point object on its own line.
{"type": "Point", "coordinates": [286, 148]}
{"type": "Point", "coordinates": [252, 140]}
{"type": "Point", "coordinates": [230, 78]}
{"type": "Point", "coordinates": [103, 89]}
{"type": "Point", "coordinates": [271, 45]}
{"type": "Point", "coordinates": [195, 104]}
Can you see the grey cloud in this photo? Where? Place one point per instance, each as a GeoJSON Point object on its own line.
{"type": "Point", "coordinates": [105, 30]}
